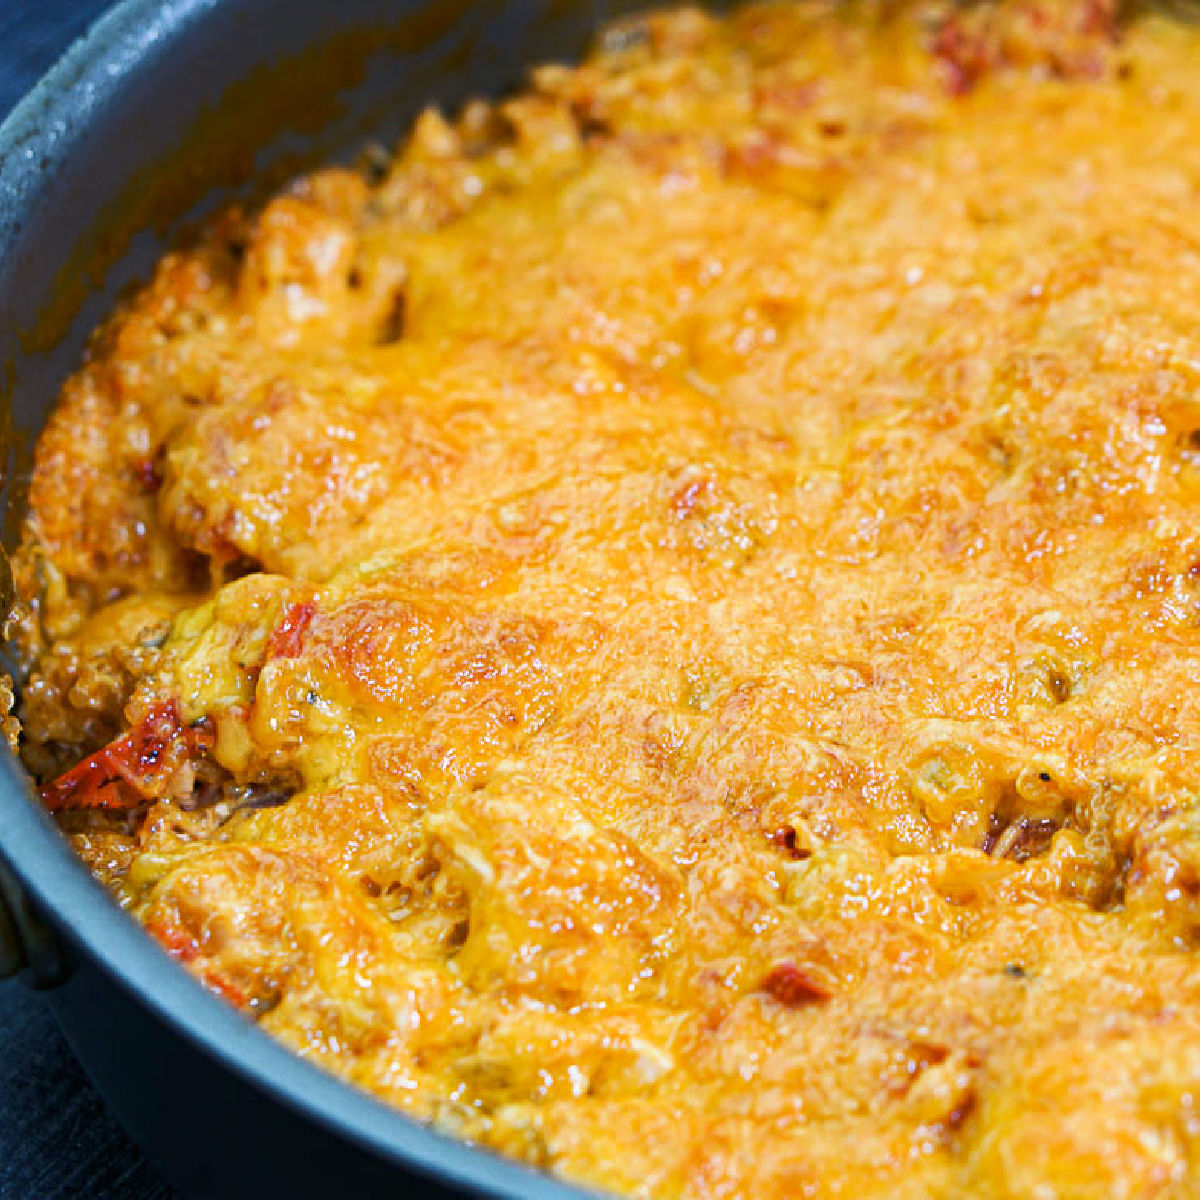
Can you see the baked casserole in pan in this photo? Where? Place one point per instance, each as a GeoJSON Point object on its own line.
{"type": "Point", "coordinates": [657, 628]}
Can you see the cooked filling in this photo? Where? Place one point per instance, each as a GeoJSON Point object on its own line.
{"type": "Point", "coordinates": [659, 629]}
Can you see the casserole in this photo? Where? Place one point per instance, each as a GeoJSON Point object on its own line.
{"type": "Point", "coordinates": [662, 631]}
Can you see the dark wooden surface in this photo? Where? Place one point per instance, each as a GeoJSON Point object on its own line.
{"type": "Point", "coordinates": [57, 1138]}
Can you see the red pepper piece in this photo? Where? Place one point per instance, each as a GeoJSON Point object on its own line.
{"type": "Point", "coordinates": [132, 769]}
{"type": "Point", "coordinates": [181, 945]}
{"type": "Point", "coordinates": [966, 55]}
{"type": "Point", "coordinates": [793, 987]}
{"type": "Point", "coordinates": [287, 638]}
{"type": "Point", "coordinates": [175, 941]}
{"type": "Point", "coordinates": [225, 988]}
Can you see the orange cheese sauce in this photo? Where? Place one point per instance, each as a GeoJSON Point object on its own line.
{"type": "Point", "coordinates": [660, 632]}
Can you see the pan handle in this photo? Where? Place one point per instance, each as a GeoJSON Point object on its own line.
{"type": "Point", "coordinates": [27, 945]}
{"type": "Point", "coordinates": [12, 951]}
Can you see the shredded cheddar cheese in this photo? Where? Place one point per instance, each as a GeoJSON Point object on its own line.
{"type": "Point", "coordinates": [663, 635]}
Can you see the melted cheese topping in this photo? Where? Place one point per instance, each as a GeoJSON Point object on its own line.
{"type": "Point", "coordinates": [684, 597]}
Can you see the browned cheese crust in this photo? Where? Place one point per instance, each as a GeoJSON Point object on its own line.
{"type": "Point", "coordinates": [661, 630]}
